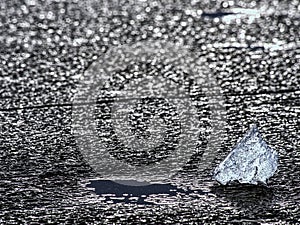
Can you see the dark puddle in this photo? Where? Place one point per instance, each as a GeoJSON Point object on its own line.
{"type": "Point", "coordinates": [133, 191]}
{"type": "Point", "coordinates": [217, 14]}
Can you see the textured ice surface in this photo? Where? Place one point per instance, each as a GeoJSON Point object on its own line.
{"type": "Point", "coordinates": [251, 161]}
{"type": "Point", "coordinates": [47, 45]}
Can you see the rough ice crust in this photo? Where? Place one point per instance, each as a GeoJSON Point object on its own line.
{"type": "Point", "coordinates": [251, 161]}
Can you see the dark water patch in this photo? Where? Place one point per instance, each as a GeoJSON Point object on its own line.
{"type": "Point", "coordinates": [217, 14]}
{"type": "Point", "coordinates": [133, 191]}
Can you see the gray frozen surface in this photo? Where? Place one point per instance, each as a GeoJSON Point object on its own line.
{"type": "Point", "coordinates": [251, 47]}
{"type": "Point", "coordinates": [251, 161]}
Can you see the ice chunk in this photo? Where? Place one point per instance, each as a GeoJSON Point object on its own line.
{"type": "Point", "coordinates": [251, 161]}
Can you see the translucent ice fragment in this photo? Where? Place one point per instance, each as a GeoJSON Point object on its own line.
{"type": "Point", "coordinates": [251, 161]}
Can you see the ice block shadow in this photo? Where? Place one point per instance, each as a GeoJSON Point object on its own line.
{"type": "Point", "coordinates": [252, 200]}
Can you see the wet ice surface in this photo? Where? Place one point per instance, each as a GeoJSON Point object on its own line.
{"type": "Point", "coordinates": [47, 46]}
{"type": "Point", "coordinates": [251, 161]}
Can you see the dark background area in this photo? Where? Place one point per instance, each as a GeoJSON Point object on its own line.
{"type": "Point", "coordinates": [46, 46]}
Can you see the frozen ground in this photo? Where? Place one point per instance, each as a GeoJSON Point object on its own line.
{"type": "Point", "coordinates": [252, 51]}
